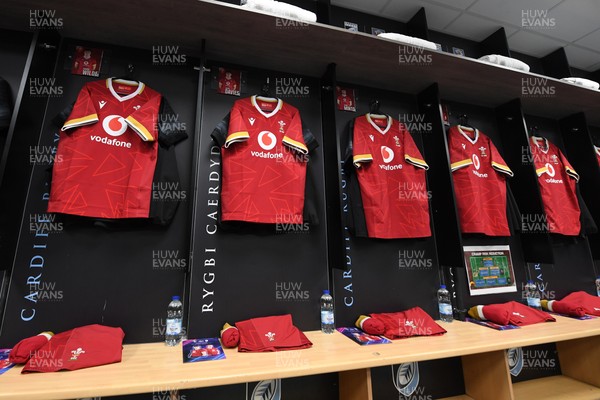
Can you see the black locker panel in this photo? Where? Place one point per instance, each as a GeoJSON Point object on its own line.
{"type": "Point", "coordinates": [69, 272]}
{"type": "Point", "coordinates": [384, 275]}
{"type": "Point", "coordinates": [256, 270]}
{"type": "Point", "coordinates": [484, 119]}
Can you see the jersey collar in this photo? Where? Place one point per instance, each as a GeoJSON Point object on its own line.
{"type": "Point", "coordinates": [537, 139]}
{"type": "Point", "coordinates": [473, 141]}
{"type": "Point", "coordinates": [374, 125]}
{"type": "Point", "coordinates": [140, 87]}
{"type": "Point", "coordinates": [269, 99]}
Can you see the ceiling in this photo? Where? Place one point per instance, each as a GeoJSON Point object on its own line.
{"type": "Point", "coordinates": [533, 27]}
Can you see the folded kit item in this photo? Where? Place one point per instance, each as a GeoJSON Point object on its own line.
{"type": "Point", "coordinates": [26, 348]}
{"type": "Point", "coordinates": [230, 336]}
{"type": "Point", "coordinates": [273, 333]}
{"type": "Point", "coordinates": [576, 302]}
{"type": "Point", "coordinates": [510, 313]}
{"type": "Point", "coordinates": [403, 324]}
{"type": "Point", "coordinates": [280, 9]}
{"type": "Point", "coordinates": [398, 37]}
{"type": "Point", "coordinates": [370, 325]}
{"type": "Point", "coordinates": [505, 61]}
{"type": "Point", "coordinates": [87, 346]}
{"type": "Point", "coordinates": [586, 83]}
{"type": "Point", "coordinates": [565, 308]}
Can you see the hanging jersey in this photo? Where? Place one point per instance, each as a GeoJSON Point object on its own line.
{"type": "Point", "coordinates": [264, 157]}
{"type": "Point", "coordinates": [85, 66]}
{"type": "Point", "coordinates": [597, 151]}
{"type": "Point", "coordinates": [391, 176]}
{"type": "Point", "coordinates": [556, 179]}
{"type": "Point", "coordinates": [479, 175]}
{"type": "Point", "coordinates": [107, 152]}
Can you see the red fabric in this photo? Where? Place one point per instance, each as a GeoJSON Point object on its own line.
{"type": "Point", "coordinates": [479, 173]}
{"type": "Point", "coordinates": [557, 181]}
{"type": "Point", "coordinates": [373, 326]}
{"type": "Point", "coordinates": [103, 167]}
{"type": "Point", "coordinates": [23, 350]}
{"type": "Point", "coordinates": [566, 308]}
{"type": "Point", "coordinates": [230, 337]}
{"type": "Point", "coordinates": [391, 176]}
{"type": "Point", "coordinates": [273, 333]}
{"type": "Point", "coordinates": [83, 347]}
{"type": "Point", "coordinates": [515, 314]}
{"type": "Point", "coordinates": [589, 303]}
{"type": "Point", "coordinates": [412, 322]}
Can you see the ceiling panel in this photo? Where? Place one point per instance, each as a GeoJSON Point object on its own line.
{"type": "Point", "coordinates": [461, 4]}
{"type": "Point", "coordinates": [533, 44]}
{"type": "Point", "coordinates": [591, 41]}
{"type": "Point", "coordinates": [437, 16]}
{"type": "Point", "coordinates": [471, 27]}
{"type": "Point", "coordinates": [581, 58]}
{"type": "Point", "coordinates": [574, 19]}
{"type": "Point", "coordinates": [369, 7]}
{"type": "Point", "coordinates": [512, 12]}
{"type": "Point", "coordinates": [402, 10]}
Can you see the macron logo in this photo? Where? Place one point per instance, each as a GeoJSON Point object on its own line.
{"type": "Point", "coordinates": [102, 104]}
{"type": "Point", "coordinates": [251, 120]}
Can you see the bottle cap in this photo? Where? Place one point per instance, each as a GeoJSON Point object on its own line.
{"type": "Point", "coordinates": [176, 298]}
{"type": "Point", "coordinates": [442, 286]}
{"type": "Point", "coordinates": [326, 291]}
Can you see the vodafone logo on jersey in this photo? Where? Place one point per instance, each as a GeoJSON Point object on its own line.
{"type": "Point", "coordinates": [114, 125]}
{"type": "Point", "coordinates": [387, 154]}
{"type": "Point", "coordinates": [267, 140]}
{"type": "Point", "coordinates": [550, 170]}
{"type": "Point", "coordinates": [476, 162]}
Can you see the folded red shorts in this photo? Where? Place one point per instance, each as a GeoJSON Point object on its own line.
{"type": "Point", "coordinates": [273, 333]}
{"type": "Point", "coordinates": [87, 346]}
{"type": "Point", "coordinates": [412, 322]}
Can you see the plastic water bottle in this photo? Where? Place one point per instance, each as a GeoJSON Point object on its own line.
{"type": "Point", "coordinates": [533, 295]}
{"type": "Point", "coordinates": [598, 285]}
{"type": "Point", "coordinates": [327, 318]}
{"type": "Point", "coordinates": [444, 304]}
{"type": "Point", "coordinates": [174, 320]}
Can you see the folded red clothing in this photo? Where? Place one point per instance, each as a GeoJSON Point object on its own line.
{"type": "Point", "coordinates": [26, 348]}
{"type": "Point", "coordinates": [576, 304]}
{"type": "Point", "coordinates": [513, 313]}
{"type": "Point", "coordinates": [412, 322]}
{"type": "Point", "coordinates": [274, 333]}
{"type": "Point", "coordinates": [87, 346]}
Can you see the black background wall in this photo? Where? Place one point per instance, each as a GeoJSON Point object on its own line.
{"type": "Point", "coordinates": [86, 274]}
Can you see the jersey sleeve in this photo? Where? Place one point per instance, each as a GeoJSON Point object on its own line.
{"type": "Point", "coordinates": [144, 121]}
{"type": "Point", "coordinates": [309, 139]}
{"type": "Point", "coordinates": [498, 162]}
{"type": "Point", "coordinates": [84, 111]}
{"type": "Point", "coordinates": [294, 137]}
{"type": "Point", "coordinates": [238, 131]}
{"type": "Point", "coordinates": [412, 155]}
{"type": "Point", "coordinates": [568, 168]}
{"type": "Point", "coordinates": [170, 130]}
{"type": "Point", "coordinates": [361, 151]}
{"type": "Point", "coordinates": [219, 134]}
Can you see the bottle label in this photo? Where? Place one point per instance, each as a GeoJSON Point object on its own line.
{"type": "Point", "coordinates": [445, 309]}
{"type": "Point", "coordinates": [327, 317]}
{"type": "Point", "coordinates": [173, 326]}
{"type": "Point", "coordinates": [534, 302]}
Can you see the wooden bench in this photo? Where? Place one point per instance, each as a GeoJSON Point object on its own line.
{"type": "Point", "coordinates": [154, 367]}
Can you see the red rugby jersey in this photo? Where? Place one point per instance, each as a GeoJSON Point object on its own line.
{"type": "Point", "coordinates": [264, 158]}
{"type": "Point", "coordinates": [556, 179]}
{"type": "Point", "coordinates": [391, 176]}
{"type": "Point", "coordinates": [107, 152]}
{"type": "Point", "coordinates": [479, 175]}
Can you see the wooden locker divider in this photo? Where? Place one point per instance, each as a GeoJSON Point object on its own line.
{"type": "Point", "coordinates": [487, 376]}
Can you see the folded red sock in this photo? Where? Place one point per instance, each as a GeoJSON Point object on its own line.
{"type": "Point", "coordinates": [26, 348]}
{"type": "Point", "coordinates": [230, 336]}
